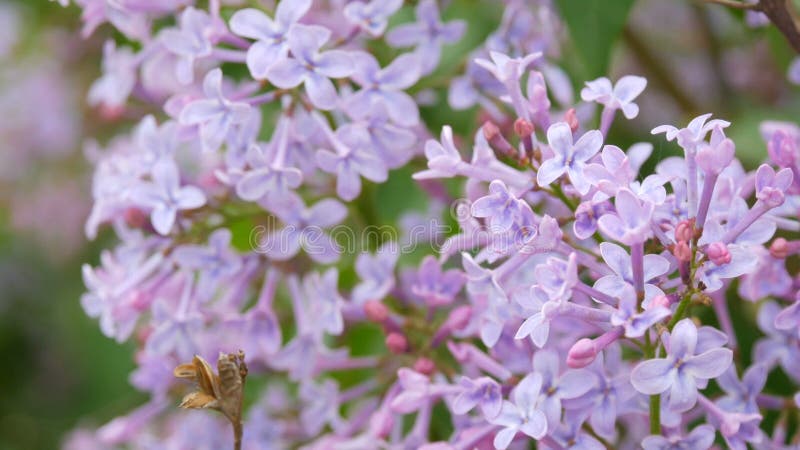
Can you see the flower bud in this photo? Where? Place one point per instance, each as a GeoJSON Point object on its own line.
{"type": "Point", "coordinates": [425, 366]}
{"type": "Point", "coordinates": [396, 343]}
{"type": "Point", "coordinates": [572, 119]}
{"type": "Point", "coordinates": [718, 253]}
{"type": "Point", "coordinates": [682, 251]}
{"type": "Point", "coordinates": [779, 248]}
{"type": "Point", "coordinates": [460, 317]}
{"type": "Point", "coordinates": [581, 354]}
{"type": "Point", "coordinates": [376, 311]}
{"type": "Point", "coordinates": [523, 128]}
{"type": "Point", "coordinates": [660, 300]}
{"type": "Point", "coordinates": [684, 231]}
{"type": "Point", "coordinates": [135, 217]}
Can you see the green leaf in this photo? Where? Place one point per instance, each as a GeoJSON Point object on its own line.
{"type": "Point", "coordinates": [594, 27]}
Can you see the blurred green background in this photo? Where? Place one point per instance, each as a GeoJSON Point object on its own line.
{"type": "Point", "coordinates": [58, 371]}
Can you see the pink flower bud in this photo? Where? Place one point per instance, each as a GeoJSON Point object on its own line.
{"type": "Point", "coordinates": [459, 317]}
{"type": "Point", "coordinates": [135, 218]}
{"type": "Point", "coordinates": [523, 128]}
{"type": "Point", "coordinates": [376, 311]}
{"type": "Point", "coordinates": [779, 248]}
{"type": "Point", "coordinates": [718, 253]}
{"type": "Point", "coordinates": [581, 354]}
{"type": "Point", "coordinates": [684, 231]}
{"type": "Point", "coordinates": [396, 343]}
{"type": "Point", "coordinates": [425, 366]}
{"type": "Point", "coordinates": [490, 130]}
{"type": "Point", "coordinates": [572, 119]}
{"type": "Point", "coordinates": [682, 251]}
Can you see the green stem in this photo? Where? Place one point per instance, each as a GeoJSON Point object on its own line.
{"type": "Point", "coordinates": [680, 311]}
{"type": "Point", "coordinates": [558, 192]}
{"type": "Point", "coordinates": [655, 400]}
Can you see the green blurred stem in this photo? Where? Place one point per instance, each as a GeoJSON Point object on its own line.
{"type": "Point", "coordinates": [655, 400]}
{"type": "Point", "coordinates": [558, 192]}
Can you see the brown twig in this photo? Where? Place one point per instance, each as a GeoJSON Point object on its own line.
{"type": "Point", "coordinates": [779, 12]}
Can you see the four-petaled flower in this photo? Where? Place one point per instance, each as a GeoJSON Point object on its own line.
{"type": "Point", "coordinates": [521, 414]}
{"type": "Point", "coordinates": [688, 360]}
{"type": "Point", "coordinates": [165, 197]}
{"type": "Point", "coordinates": [569, 157]}
{"type": "Point", "coordinates": [619, 96]}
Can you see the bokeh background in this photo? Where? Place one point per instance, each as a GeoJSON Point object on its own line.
{"type": "Point", "coordinates": [57, 371]}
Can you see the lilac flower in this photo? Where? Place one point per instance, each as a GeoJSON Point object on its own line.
{"type": "Point", "coordinates": [304, 229]}
{"type": "Point", "coordinates": [557, 277]}
{"type": "Point", "coordinates": [567, 157]}
{"type": "Point", "coordinates": [620, 263]}
{"type": "Point", "coordinates": [620, 96]}
{"type": "Point", "coordinates": [215, 115]}
{"type": "Point", "coordinates": [789, 317]}
{"type": "Point", "coordinates": [165, 197]}
{"type": "Point", "coordinates": [521, 413]}
{"type": "Point", "coordinates": [372, 16]}
{"type": "Point", "coordinates": [483, 392]}
{"type": "Point", "coordinates": [627, 315]}
{"type": "Point", "coordinates": [435, 286]}
{"type": "Point", "coordinates": [586, 215]}
{"type": "Point", "coordinates": [119, 77]}
{"type": "Point", "coordinates": [216, 261]}
{"type": "Point", "coordinates": [537, 325]}
{"type": "Point", "coordinates": [267, 173]}
{"type": "Point", "coordinates": [500, 207]}
{"type": "Point", "coordinates": [509, 71]}
{"type": "Point", "coordinates": [376, 273]}
{"type": "Point", "coordinates": [191, 41]}
{"type": "Point", "coordinates": [741, 395]}
{"type": "Point", "coordinates": [679, 371]}
{"type": "Point", "coordinates": [631, 224]}
{"type": "Point", "coordinates": [771, 186]}
{"type": "Point", "coordinates": [700, 438]}
{"type": "Point", "coordinates": [779, 347]}
{"type": "Point", "coordinates": [694, 133]}
{"type": "Point", "coordinates": [271, 43]}
{"type": "Point", "coordinates": [556, 386]}
{"type": "Point", "coordinates": [427, 34]}
{"type": "Point", "coordinates": [385, 87]}
{"type": "Point", "coordinates": [571, 434]}
{"type": "Point", "coordinates": [311, 67]}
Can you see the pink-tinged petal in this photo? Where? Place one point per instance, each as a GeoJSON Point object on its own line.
{"type": "Point", "coordinates": [321, 91]}
{"type": "Point", "coordinates": [190, 197]}
{"type": "Point", "coordinates": [252, 23]}
{"type": "Point", "coordinates": [549, 171]}
{"type": "Point", "coordinates": [683, 393]}
{"type": "Point", "coordinates": [559, 136]}
{"type": "Point", "coordinates": [629, 87]}
{"type": "Point", "coordinates": [710, 364]}
{"type": "Point", "coordinates": [653, 376]}
{"type": "Point", "coordinates": [163, 217]}
{"type": "Point", "coordinates": [287, 73]}
{"type": "Point", "coordinates": [263, 55]}
{"type": "Point", "coordinates": [290, 11]}
{"type": "Point", "coordinates": [334, 64]}
{"type": "Point", "coordinates": [783, 179]}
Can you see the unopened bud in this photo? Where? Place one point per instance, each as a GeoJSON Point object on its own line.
{"type": "Point", "coordinates": [424, 366]}
{"type": "Point", "coordinates": [718, 253]}
{"type": "Point", "coordinates": [581, 354]}
{"type": "Point", "coordinates": [779, 248]}
{"type": "Point", "coordinates": [396, 343]}
{"type": "Point", "coordinates": [376, 311]}
{"type": "Point", "coordinates": [523, 128]}
{"type": "Point", "coordinates": [684, 231]}
{"type": "Point", "coordinates": [135, 217]}
{"type": "Point", "coordinates": [682, 251]}
{"type": "Point", "coordinates": [572, 119]}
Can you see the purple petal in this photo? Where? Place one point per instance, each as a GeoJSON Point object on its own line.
{"type": "Point", "coordinates": [321, 91]}
{"type": "Point", "coordinates": [290, 11]}
{"type": "Point", "coordinates": [287, 73]}
{"type": "Point", "coordinates": [653, 376]}
{"type": "Point", "coordinates": [710, 364]}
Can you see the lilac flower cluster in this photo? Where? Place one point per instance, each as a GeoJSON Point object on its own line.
{"type": "Point", "coordinates": [582, 304]}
